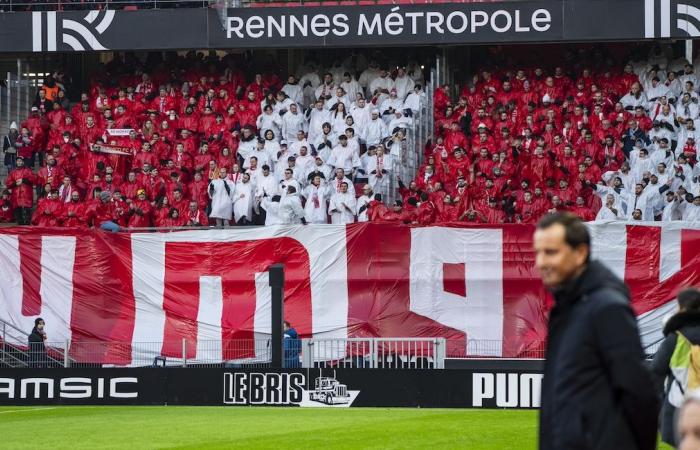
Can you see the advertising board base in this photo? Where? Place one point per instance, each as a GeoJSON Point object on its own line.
{"type": "Point", "coordinates": [486, 385]}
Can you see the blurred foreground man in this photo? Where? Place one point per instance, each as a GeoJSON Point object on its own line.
{"type": "Point", "coordinates": [596, 392]}
{"type": "Point", "coordinates": [689, 422]}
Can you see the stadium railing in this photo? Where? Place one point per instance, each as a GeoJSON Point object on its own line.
{"type": "Point", "coordinates": [375, 353]}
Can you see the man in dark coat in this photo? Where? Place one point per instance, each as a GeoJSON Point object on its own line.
{"type": "Point", "coordinates": [687, 322]}
{"type": "Point", "coordinates": [37, 349]}
{"type": "Point", "coordinates": [596, 392]}
{"type": "Point", "coordinates": [292, 347]}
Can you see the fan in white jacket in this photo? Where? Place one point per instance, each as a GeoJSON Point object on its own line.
{"type": "Point", "coordinates": [316, 195]}
{"type": "Point", "coordinates": [342, 206]}
{"type": "Point", "coordinates": [268, 120]}
{"type": "Point", "coordinates": [243, 201]}
{"type": "Point", "coordinates": [379, 170]}
{"type": "Point", "coordinates": [292, 121]}
{"type": "Point", "coordinates": [350, 86]}
{"type": "Point", "coordinates": [317, 117]}
{"type": "Point", "coordinates": [692, 210]}
{"type": "Point", "coordinates": [403, 83]}
{"type": "Point", "coordinates": [344, 156]}
{"type": "Point", "coordinates": [609, 211]}
{"type": "Point", "coordinates": [361, 113]}
{"type": "Point", "coordinates": [221, 194]}
{"type": "Point", "coordinates": [290, 210]}
{"type": "Point", "coordinates": [266, 185]}
{"type": "Point", "coordinates": [293, 90]}
{"type": "Point", "coordinates": [363, 203]}
{"type": "Point", "coordinates": [415, 99]}
{"type": "Point", "coordinates": [375, 131]}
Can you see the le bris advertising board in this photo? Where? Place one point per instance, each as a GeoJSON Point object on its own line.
{"type": "Point", "coordinates": [269, 387]}
{"type": "Point", "coordinates": [349, 26]}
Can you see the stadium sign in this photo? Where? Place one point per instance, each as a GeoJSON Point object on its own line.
{"type": "Point", "coordinates": [507, 390]}
{"type": "Point", "coordinates": [348, 26]}
{"type": "Point", "coordinates": [84, 388]}
{"type": "Point", "coordinates": [481, 384]}
{"type": "Point", "coordinates": [446, 23]}
{"type": "Point", "coordinates": [291, 389]}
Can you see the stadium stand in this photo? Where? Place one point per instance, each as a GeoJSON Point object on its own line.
{"type": "Point", "coordinates": [605, 139]}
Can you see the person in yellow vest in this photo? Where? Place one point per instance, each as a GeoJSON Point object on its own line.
{"type": "Point", "coordinates": [677, 362]}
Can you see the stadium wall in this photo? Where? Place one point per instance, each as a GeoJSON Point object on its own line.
{"type": "Point", "coordinates": [349, 26]}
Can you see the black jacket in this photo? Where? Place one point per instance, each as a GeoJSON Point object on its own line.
{"type": "Point", "coordinates": [596, 392]}
{"type": "Point", "coordinates": [37, 349]}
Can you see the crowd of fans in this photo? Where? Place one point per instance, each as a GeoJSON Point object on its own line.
{"type": "Point", "coordinates": [196, 142]}
{"type": "Point", "coordinates": [204, 144]}
{"type": "Point", "coordinates": [602, 140]}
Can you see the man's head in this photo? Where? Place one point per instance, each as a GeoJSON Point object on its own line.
{"type": "Point", "coordinates": [562, 248]}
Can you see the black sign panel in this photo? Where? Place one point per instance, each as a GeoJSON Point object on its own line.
{"type": "Point", "coordinates": [482, 387]}
{"type": "Point", "coordinates": [349, 26]}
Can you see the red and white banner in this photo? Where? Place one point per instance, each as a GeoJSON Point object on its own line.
{"type": "Point", "coordinates": [475, 286]}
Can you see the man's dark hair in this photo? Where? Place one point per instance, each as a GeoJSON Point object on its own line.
{"type": "Point", "coordinates": [575, 232]}
{"type": "Point", "coordinates": [689, 299]}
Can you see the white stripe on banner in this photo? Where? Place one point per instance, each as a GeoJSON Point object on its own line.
{"type": "Point", "coordinates": [651, 324]}
{"type": "Point", "coordinates": [36, 32]}
{"type": "Point", "coordinates": [479, 314]}
{"type": "Point", "coordinates": [211, 305]}
{"type": "Point", "coordinates": [263, 305]}
{"type": "Point", "coordinates": [57, 261]}
{"type": "Point", "coordinates": [609, 245]}
{"type": "Point", "coordinates": [665, 18]}
{"type": "Point", "coordinates": [148, 262]}
{"type": "Point", "coordinates": [51, 31]}
{"type": "Point", "coordinates": [262, 320]}
{"type": "Point", "coordinates": [11, 284]}
{"type": "Point", "coordinates": [649, 18]}
{"type": "Point", "coordinates": [670, 252]}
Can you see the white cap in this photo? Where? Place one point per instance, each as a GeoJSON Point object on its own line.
{"type": "Point", "coordinates": [283, 142]}
{"type": "Point", "coordinates": [481, 125]}
{"type": "Point", "coordinates": [546, 98]}
{"type": "Point", "coordinates": [13, 126]}
{"type": "Point", "coordinates": [375, 111]}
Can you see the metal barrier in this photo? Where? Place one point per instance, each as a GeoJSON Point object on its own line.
{"type": "Point", "coordinates": [374, 353]}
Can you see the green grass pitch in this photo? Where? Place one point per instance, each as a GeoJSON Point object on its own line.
{"type": "Point", "coordinates": [145, 427]}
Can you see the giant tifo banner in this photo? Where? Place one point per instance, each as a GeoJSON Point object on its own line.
{"type": "Point", "coordinates": [475, 286]}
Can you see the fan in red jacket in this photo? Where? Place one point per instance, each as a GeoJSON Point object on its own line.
{"type": "Point", "coordinates": [195, 217]}
{"type": "Point", "coordinates": [73, 212]}
{"type": "Point", "coordinates": [7, 211]}
{"type": "Point", "coordinates": [21, 183]}
{"type": "Point", "coordinates": [448, 211]}
{"type": "Point", "coordinates": [140, 211]}
{"type": "Point", "coordinates": [49, 211]}
{"type": "Point", "coordinates": [583, 211]}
